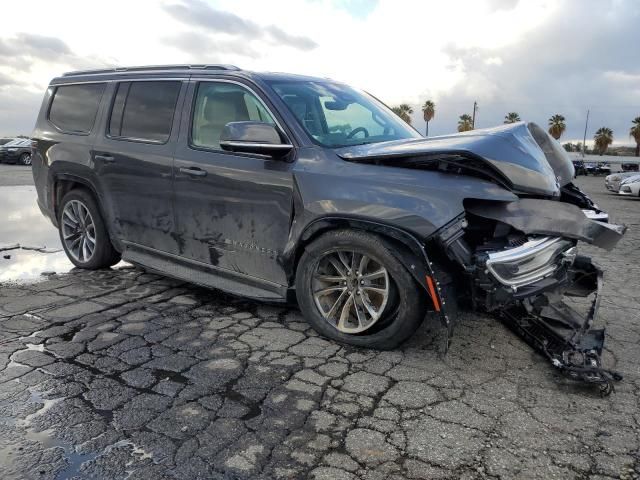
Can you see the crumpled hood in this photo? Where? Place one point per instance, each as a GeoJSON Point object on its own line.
{"type": "Point", "coordinates": [525, 154]}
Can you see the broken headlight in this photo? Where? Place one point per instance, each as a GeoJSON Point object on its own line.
{"type": "Point", "coordinates": [532, 261]}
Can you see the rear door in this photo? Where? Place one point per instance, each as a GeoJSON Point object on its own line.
{"type": "Point", "coordinates": [233, 210]}
{"type": "Point", "coordinates": [134, 160]}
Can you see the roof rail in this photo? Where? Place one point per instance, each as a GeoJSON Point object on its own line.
{"type": "Point", "coordinates": [151, 68]}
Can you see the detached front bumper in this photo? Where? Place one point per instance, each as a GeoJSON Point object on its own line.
{"type": "Point", "coordinates": [539, 314]}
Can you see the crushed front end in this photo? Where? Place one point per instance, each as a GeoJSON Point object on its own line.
{"type": "Point", "coordinates": [527, 270]}
{"type": "Point", "coordinates": [516, 257]}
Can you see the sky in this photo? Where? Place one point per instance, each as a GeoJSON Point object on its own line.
{"type": "Point", "coordinates": [534, 57]}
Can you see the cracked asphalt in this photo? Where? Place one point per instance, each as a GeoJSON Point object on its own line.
{"type": "Point", "coordinates": [124, 374]}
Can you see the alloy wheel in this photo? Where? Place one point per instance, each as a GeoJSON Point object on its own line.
{"type": "Point", "coordinates": [78, 231]}
{"type": "Point", "coordinates": [350, 289]}
{"type": "Point", "coordinates": [26, 159]}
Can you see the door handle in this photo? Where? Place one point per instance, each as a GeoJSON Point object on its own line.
{"type": "Point", "coordinates": [193, 171]}
{"type": "Point", "coordinates": [105, 158]}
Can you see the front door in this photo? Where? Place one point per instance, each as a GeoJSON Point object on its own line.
{"type": "Point", "coordinates": [134, 161]}
{"type": "Point", "coordinates": [233, 210]}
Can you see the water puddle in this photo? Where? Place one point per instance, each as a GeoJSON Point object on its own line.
{"type": "Point", "coordinates": [29, 243]}
{"type": "Point", "coordinates": [47, 439]}
{"type": "Point", "coordinates": [30, 248]}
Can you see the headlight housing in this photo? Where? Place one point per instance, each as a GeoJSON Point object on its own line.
{"type": "Point", "coordinates": [532, 261]}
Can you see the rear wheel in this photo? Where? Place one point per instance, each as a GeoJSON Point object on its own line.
{"type": "Point", "coordinates": [352, 289]}
{"type": "Point", "coordinates": [83, 233]}
{"type": "Point", "coordinates": [25, 159]}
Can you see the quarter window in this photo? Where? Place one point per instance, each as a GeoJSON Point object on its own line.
{"type": "Point", "coordinates": [219, 103]}
{"type": "Point", "coordinates": [74, 107]}
{"type": "Point", "coordinates": [144, 110]}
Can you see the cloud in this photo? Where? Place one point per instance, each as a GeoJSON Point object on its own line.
{"type": "Point", "coordinates": [41, 46]}
{"type": "Point", "coordinates": [18, 110]}
{"type": "Point", "coordinates": [21, 49]}
{"type": "Point", "coordinates": [6, 80]}
{"type": "Point", "coordinates": [202, 48]}
{"type": "Point", "coordinates": [24, 50]}
{"type": "Point", "coordinates": [562, 68]}
{"type": "Point", "coordinates": [536, 57]}
{"type": "Point", "coordinates": [296, 41]}
{"type": "Point", "coordinates": [198, 13]}
{"type": "Point", "coordinates": [494, 5]}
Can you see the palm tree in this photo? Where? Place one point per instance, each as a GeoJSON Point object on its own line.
{"type": "Point", "coordinates": [404, 111]}
{"type": "Point", "coordinates": [465, 123]}
{"type": "Point", "coordinates": [557, 126]}
{"type": "Point", "coordinates": [511, 117]}
{"type": "Point", "coordinates": [635, 133]}
{"type": "Point", "coordinates": [429, 111]}
{"type": "Point", "coordinates": [603, 138]}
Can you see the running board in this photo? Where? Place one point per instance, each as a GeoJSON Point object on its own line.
{"type": "Point", "coordinates": [204, 275]}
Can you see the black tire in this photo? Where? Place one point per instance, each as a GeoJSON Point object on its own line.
{"type": "Point", "coordinates": [104, 255]}
{"type": "Point", "coordinates": [25, 159]}
{"type": "Point", "coordinates": [399, 321]}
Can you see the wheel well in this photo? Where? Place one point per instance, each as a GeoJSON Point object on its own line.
{"type": "Point", "coordinates": [403, 245]}
{"type": "Point", "coordinates": [63, 186]}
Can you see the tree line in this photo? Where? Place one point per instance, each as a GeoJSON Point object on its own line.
{"type": "Point", "coordinates": [603, 137]}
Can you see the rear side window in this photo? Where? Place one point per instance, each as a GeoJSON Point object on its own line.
{"type": "Point", "coordinates": [144, 110]}
{"type": "Point", "coordinates": [74, 107]}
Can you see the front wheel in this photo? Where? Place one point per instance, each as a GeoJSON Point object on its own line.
{"type": "Point", "coordinates": [352, 289]}
{"type": "Point", "coordinates": [83, 234]}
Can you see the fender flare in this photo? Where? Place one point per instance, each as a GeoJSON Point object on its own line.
{"type": "Point", "coordinates": [62, 175]}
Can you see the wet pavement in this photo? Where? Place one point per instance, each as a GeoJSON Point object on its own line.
{"type": "Point", "coordinates": [29, 243]}
{"type": "Point", "coordinates": [121, 374]}
{"type": "Point", "coordinates": [30, 248]}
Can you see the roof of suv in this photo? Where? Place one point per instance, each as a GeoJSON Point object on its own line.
{"type": "Point", "coordinates": [178, 71]}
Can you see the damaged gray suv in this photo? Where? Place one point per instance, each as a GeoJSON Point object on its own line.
{"type": "Point", "coordinates": [281, 188]}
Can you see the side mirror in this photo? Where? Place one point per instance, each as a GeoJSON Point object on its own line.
{"type": "Point", "coordinates": [253, 137]}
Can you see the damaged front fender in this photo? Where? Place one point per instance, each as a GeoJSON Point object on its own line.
{"type": "Point", "coordinates": [549, 217]}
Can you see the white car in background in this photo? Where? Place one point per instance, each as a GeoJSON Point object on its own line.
{"type": "Point", "coordinates": [630, 186]}
{"type": "Point", "coordinates": [612, 182]}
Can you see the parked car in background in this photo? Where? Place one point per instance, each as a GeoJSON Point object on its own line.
{"type": "Point", "coordinates": [612, 182]}
{"type": "Point", "coordinates": [603, 169]}
{"type": "Point", "coordinates": [5, 140]}
{"type": "Point", "coordinates": [600, 168]}
{"type": "Point", "coordinates": [17, 150]}
{"type": "Point", "coordinates": [630, 186]}
{"type": "Point", "coordinates": [290, 188]}
{"type": "Point", "coordinates": [630, 167]}
{"type": "Point", "coordinates": [590, 168]}
{"type": "Point", "coordinates": [578, 166]}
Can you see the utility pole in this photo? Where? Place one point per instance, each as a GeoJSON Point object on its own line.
{"type": "Point", "coordinates": [473, 121]}
{"type": "Point", "coordinates": [584, 139]}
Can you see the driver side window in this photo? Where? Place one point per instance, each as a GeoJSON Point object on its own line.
{"type": "Point", "coordinates": [219, 103]}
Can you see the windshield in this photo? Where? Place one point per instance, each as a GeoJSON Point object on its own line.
{"type": "Point", "coordinates": [336, 115]}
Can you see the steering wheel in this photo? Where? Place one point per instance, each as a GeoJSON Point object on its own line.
{"type": "Point", "coordinates": [357, 130]}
